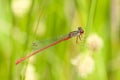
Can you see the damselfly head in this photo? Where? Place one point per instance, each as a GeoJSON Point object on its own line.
{"type": "Point", "coordinates": [81, 31]}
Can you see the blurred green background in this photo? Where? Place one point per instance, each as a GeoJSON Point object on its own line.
{"type": "Point", "coordinates": [24, 21]}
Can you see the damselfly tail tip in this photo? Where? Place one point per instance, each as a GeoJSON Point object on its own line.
{"type": "Point", "coordinates": [17, 62]}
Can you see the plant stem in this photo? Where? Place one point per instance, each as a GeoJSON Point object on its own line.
{"type": "Point", "coordinates": [91, 14]}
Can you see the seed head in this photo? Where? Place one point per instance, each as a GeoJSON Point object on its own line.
{"type": "Point", "coordinates": [94, 42]}
{"type": "Point", "coordinates": [84, 65]}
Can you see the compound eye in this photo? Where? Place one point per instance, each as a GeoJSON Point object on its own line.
{"type": "Point", "coordinates": [79, 28]}
{"type": "Point", "coordinates": [81, 31]}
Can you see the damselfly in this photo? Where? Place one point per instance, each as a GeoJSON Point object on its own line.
{"type": "Point", "coordinates": [78, 33]}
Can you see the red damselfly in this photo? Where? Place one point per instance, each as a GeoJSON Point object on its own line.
{"type": "Point", "coordinates": [78, 33]}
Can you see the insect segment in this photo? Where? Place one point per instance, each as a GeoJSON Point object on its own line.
{"type": "Point", "coordinates": [77, 33]}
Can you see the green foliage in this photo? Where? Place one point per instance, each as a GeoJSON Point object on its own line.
{"type": "Point", "coordinates": [24, 21]}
